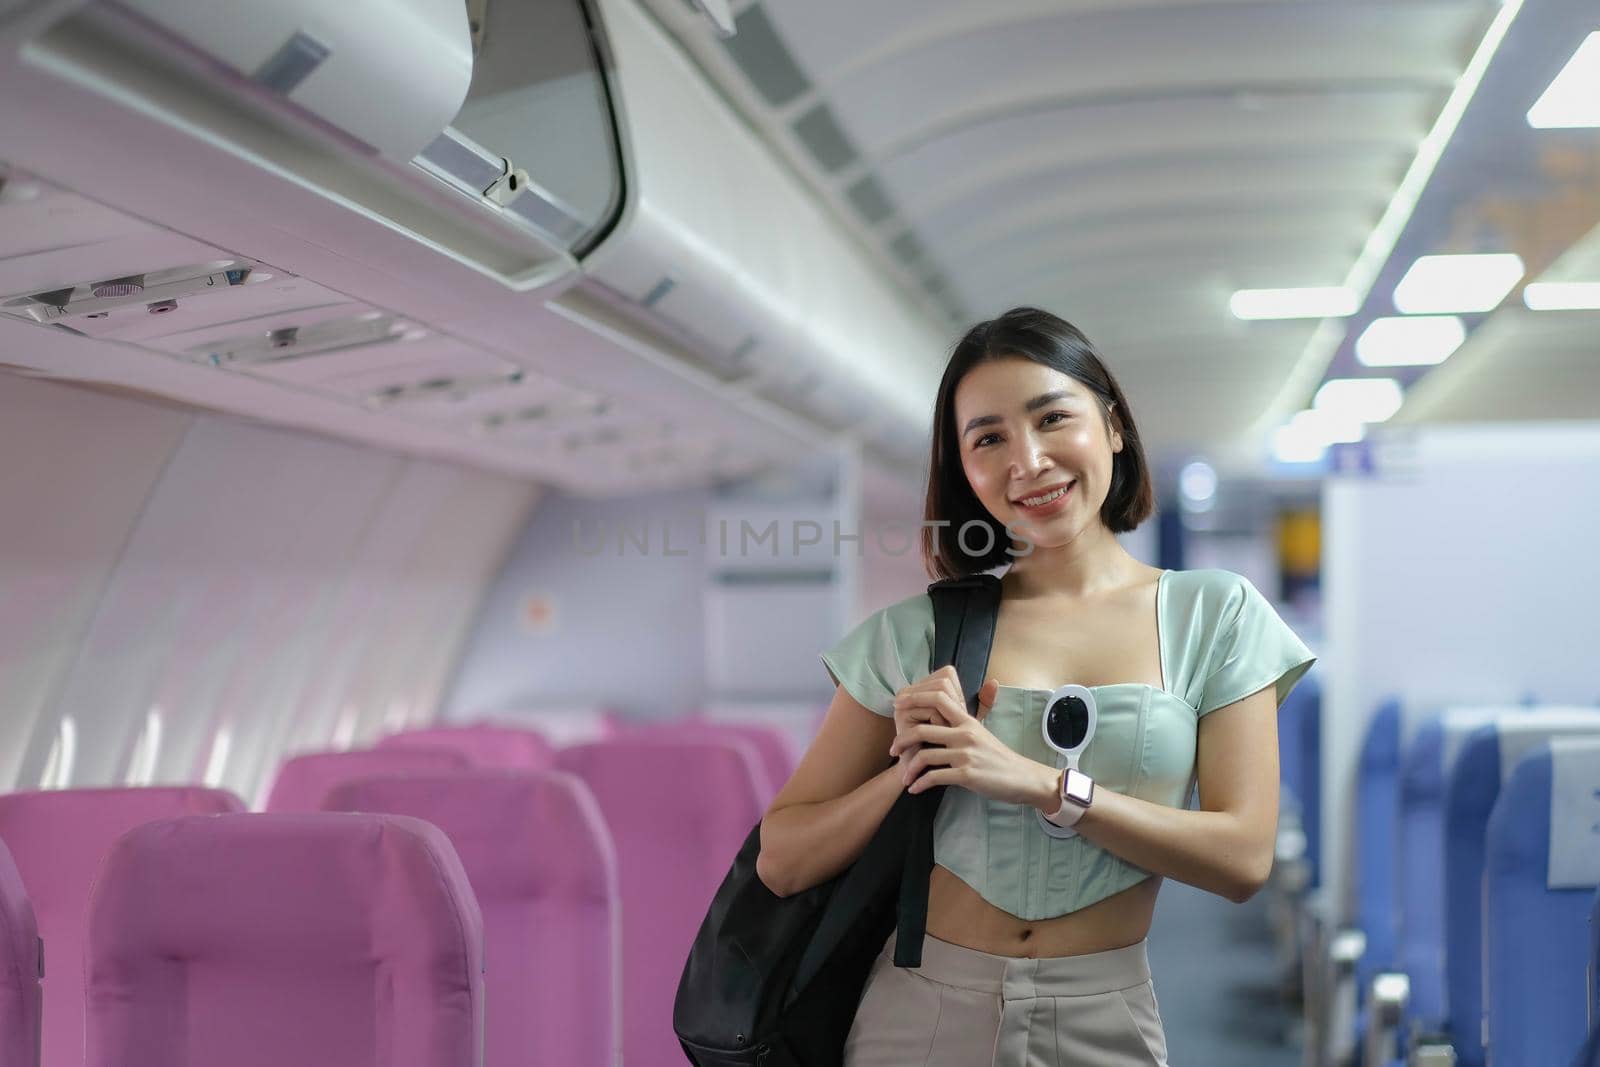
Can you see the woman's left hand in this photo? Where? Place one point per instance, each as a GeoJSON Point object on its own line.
{"type": "Point", "coordinates": [962, 751]}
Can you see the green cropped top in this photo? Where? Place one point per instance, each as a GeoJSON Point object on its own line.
{"type": "Point", "coordinates": [1220, 641]}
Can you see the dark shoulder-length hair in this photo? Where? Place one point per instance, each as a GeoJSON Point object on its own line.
{"type": "Point", "coordinates": [952, 545]}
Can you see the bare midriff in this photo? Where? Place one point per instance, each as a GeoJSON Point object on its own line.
{"type": "Point", "coordinates": [958, 915]}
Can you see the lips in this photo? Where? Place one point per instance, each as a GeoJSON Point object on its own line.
{"type": "Point", "coordinates": [1046, 491]}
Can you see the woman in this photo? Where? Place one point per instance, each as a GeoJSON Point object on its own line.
{"type": "Point", "coordinates": [1035, 950]}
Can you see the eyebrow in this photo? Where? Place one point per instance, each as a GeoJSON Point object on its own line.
{"type": "Point", "coordinates": [1042, 400]}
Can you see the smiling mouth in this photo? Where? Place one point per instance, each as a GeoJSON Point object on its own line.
{"type": "Point", "coordinates": [1048, 497]}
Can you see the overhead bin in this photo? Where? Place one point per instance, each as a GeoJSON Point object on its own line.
{"type": "Point", "coordinates": [379, 107]}
{"type": "Point", "coordinates": [330, 60]}
{"type": "Point", "coordinates": [722, 244]}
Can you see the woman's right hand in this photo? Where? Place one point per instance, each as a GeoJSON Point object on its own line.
{"type": "Point", "coordinates": [912, 707]}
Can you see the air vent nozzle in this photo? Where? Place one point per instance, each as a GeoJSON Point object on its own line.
{"type": "Point", "coordinates": [128, 286]}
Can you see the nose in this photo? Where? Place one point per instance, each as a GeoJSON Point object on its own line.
{"type": "Point", "coordinates": [1028, 458]}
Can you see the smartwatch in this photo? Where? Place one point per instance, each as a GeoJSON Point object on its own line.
{"type": "Point", "coordinates": [1077, 793]}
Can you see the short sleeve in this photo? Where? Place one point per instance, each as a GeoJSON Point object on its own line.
{"type": "Point", "coordinates": [1252, 649]}
{"type": "Point", "coordinates": [886, 652]}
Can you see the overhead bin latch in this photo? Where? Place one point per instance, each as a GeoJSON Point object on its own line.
{"type": "Point", "coordinates": [506, 188]}
{"type": "Point", "coordinates": [718, 13]}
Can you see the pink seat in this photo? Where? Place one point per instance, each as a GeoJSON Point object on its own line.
{"type": "Point", "coordinates": [260, 940]}
{"type": "Point", "coordinates": [303, 782]}
{"type": "Point", "coordinates": [58, 839]}
{"type": "Point", "coordinates": [486, 747]}
{"type": "Point", "coordinates": [21, 961]}
{"type": "Point", "coordinates": [767, 745]}
{"type": "Point", "coordinates": [545, 873]}
{"type": "Point", "coordinates": [678, 813]}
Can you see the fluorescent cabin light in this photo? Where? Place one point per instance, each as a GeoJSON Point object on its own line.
{"type": "Point", "coordinates": [1562, 296]}
{"type": "Point", "coordinates": [1306, 437]}
{"type": "Point", "coordinates": [1362, 399]}
{"type": "Point", "coordinates": [1327, 302]}
{"type": "Point", "coordinates": [1573, 98]}
{"type": "Point", "coordinates": [1288, 446]}
{"type": "Point", "coordinates": [1421, 341]}
{"type": "Point", "coordinates": [1329, 427]}
{"type": "Point", "coordinates": [1450, 284]}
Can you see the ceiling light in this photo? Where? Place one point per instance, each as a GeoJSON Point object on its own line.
{"type": "Point", "coordinates": [1410, 342]}
{"type": "Point", "coordinates": [1329, 427]}
{"type": "Point", "coordinates": [1198, 483]}
{"type": "Point", "coordinates": [1309, 303]}
{"type": "Point", "coordinates": [1562, 296]}
{"type": "Point", "coordinates": [1573, 98]}
{"type": "Point", "coordinates": [1293, 446]}
{"type": "Point", "coordinates": [1362, 399]}
{"type": "Point", "coordinates": [1307, 436]}
{"type": "Point", "coordinates": [1457, 283]}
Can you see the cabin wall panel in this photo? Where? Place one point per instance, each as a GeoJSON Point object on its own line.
{"type": "Point", "coordinates": [242, 581]}
{"type": "Point", "coordinates": [624, 582]}
{"type": "Point", "coordinates": [78, 468]}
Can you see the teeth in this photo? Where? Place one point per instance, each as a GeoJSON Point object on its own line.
{"type": "Point", "coordinates": [1036, 501]}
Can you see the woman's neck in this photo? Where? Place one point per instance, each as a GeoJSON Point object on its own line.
{"type": "Point", "coordinates": [1090, 563]}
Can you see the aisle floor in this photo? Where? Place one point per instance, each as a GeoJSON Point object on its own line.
{"type": "Point", "coordinates": [1215, 977]}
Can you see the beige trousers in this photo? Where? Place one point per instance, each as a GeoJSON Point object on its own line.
{"type": "Point", "coordinates": [964, 1008]}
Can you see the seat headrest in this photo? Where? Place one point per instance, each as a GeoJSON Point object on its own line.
{"type": "Point", "coordinates": [303, 781]}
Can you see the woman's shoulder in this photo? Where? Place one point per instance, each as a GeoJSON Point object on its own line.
{"type": "Point", "coordinates": [910, 615]}
{"type": "Point", "coordinates": [1211, 587]}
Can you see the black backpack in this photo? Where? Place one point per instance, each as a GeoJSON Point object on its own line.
{"type": "Point", "coordinates": [775, 981]}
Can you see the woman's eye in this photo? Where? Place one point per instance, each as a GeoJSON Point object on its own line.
{"type": "Point", "coordinates": [980, 442]}
{"type": "Point", "coordinates": [1054, 414]}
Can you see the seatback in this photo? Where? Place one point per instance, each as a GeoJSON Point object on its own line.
{"type": "Point", "coordinates": [678, 812]}
{"type": "Point", "coordinates": [59, 839]}
{"type": "Point", "coordinates": [21, 963]}
{"type": "Point", "coordinates": [768, 745]}
{"type": "Point", "coordinates": [303, 782]}
{"type": "Point", "coordinates": [1424, 769]}
{"type": "Point", "coordinates": [1475, 780]}
{"type": "Point", "coordinates": [486, 747]}
{"type": "Point", "coordinates": [544, 870]}
{"type": "Point", "coordinates": [1542, 867]}
{"type": "Point", "coordinates": [1300, 741]}
{"type": "Point", "coordinates": [259, 940]}
{"type": "Point", "coordinates": [1589, 1055]}
{"type": "Point", "coordinates": [1377, 832]}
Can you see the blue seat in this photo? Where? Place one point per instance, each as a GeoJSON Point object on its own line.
{"type": "Point", "coordinates": [1420, 863]}
{"type": "Point", "coordinates": [1589, 1055]}
{"type": "Point", "coordinates": [1377, 819]}
{"type": "Point", "coordinates": [1300, 745]}
{"type": "Point", "coordinates": [1539, 886]}
{"type": "Point", "coordinates": [1474, 784]}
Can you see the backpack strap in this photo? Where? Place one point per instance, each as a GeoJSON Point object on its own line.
{"type": "Point", "coordinates": [964, 614]}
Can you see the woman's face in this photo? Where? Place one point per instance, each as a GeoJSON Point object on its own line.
{"type": "Point", "coordinates": [1027, 431]}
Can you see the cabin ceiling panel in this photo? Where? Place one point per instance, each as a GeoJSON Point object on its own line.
{"type": "Point", "coordinates": [1519, 365]}
{"type": "Point", "coordinates": [890, 28]}
{"type": "Point", "coordinates": [1173, 131]}
{"type": "Point", "coordinates": [1126, 164]}
{"type": "Point", "coordinates": [1152, 234]}
{"type": "Point", "coordinates": [1154, 186]}
{"type": "Point", "coordinates": [1052, 58]}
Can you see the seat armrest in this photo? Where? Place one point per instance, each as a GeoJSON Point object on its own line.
{"type": "Point", "coordinates": [1433, 1055]}
{"type": "Point", "coordinates": [1386, 1007]}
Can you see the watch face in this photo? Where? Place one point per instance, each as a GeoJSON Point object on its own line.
{"type": "Point", "coordinates": [1078, 788]}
